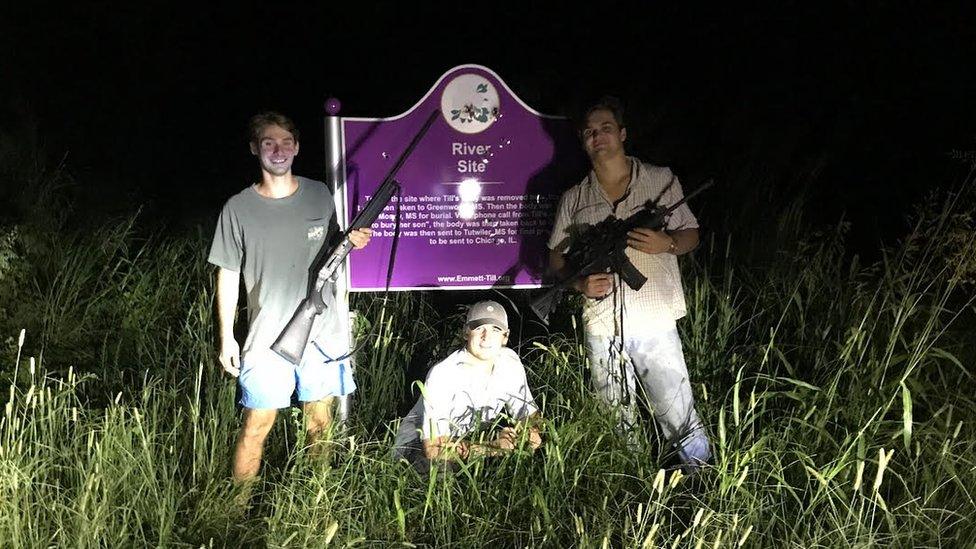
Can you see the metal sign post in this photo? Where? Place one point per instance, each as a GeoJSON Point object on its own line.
{"type": "Point", "coordinates": [335, 178]}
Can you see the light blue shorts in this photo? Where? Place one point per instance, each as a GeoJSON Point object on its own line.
{"type": "Point", "coordinates": [268, 381]}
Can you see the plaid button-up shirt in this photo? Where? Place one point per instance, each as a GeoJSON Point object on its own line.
{"type": "Point", "coordinates": [661, 300]}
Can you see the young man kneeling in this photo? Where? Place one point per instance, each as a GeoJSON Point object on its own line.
{"type": "Point", "coordinates": [471, 388]}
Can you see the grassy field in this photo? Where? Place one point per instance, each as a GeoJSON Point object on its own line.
{"type": "Point", "coordinates": [839, 397]}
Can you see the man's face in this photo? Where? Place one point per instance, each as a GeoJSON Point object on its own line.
{"type": "Point", "coordinates": [486, 341]}
{"type": "Point", "coordinates": [276, 149]}
{"type": "Point", "coordinates": [602, 136]}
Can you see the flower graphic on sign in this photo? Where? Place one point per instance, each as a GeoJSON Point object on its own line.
{"type": "Point", "coordinates": [470, 103]}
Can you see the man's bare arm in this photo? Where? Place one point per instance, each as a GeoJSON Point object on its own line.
{"type": "Point", "coordinates": [659, 242]}
{"type": "Point", "coordinates": [685, 240]}
{"type": "Point", "coordinates": [444, 447]}
{"type": "Point", "coordinates": [509, 437]}
{"type": "Point", "coordinates": [556, 262]}
{"type": "Point", "coordinates": [228, 286]}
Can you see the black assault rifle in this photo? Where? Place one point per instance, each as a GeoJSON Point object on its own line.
{"type": "Point", "coordinates": [293, 339]}
{"type": "Point", "coordinates": [600, 249]}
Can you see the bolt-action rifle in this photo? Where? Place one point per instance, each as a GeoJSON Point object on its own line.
{"type": "Point", "coordinates": [600, 249]}
{"type": "Point", "coordinates": [293, 339]}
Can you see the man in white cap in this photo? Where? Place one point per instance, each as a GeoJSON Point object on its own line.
{"type": "Point", "coordinates": [471, 389]}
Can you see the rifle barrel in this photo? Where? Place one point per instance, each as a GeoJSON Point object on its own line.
{"type": "Point", "coordinates": [292, 340]}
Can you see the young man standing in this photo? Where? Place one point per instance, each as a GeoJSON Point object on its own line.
{"type": "Point", "coordinates": [270, 233]}
{"type": "Point", "coordinates": [468, 390]}
{"type": "Point", "coordinates": [619, 322]}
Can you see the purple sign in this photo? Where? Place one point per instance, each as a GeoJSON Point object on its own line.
{"type": "Point", "coordinates": [478, 193]}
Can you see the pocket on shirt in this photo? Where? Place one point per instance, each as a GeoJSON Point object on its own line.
{"type": "Point", "coordinates": [316, 232]}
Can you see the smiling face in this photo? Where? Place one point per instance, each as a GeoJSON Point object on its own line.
{"type": "Point", "coordinates": [276, 149]}
{"type": "Point", "coordinates": [486, 341]}
{"type": "Point", "coordinates": [602, 135]}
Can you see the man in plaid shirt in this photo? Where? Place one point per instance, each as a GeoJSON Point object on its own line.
{"type": "Point", "coordinates": [632, 335]}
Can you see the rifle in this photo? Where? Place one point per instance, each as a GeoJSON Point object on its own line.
{"type": "Point", "coordinates": [292, 341]}
{"type": "Point", "coordinates": [600, 248]}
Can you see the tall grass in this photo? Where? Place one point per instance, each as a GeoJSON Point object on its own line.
{"type": "Point", "coordinates": [838, 397]}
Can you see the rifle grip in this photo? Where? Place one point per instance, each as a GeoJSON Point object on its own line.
{"type": "Point", "coordinates": [291, 343]}
{"type": "Point", "coordinates": [630, 275]}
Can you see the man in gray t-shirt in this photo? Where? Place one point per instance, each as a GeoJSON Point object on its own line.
{"type": "Point", "coordinates": [271, 232]}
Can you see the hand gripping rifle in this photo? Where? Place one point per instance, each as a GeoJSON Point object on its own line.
{"type": "Point", "coordinates": [600, 248]}
{"type": "Point", "coordinates": [293, 339]}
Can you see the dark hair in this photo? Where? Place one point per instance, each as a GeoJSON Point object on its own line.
{"type": "Point", "coordinates": [259, 121]}
{"type": "Point", "coordinates": [605, 103]}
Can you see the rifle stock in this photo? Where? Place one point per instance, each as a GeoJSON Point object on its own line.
{"type": "Point", "coordinates": [291, 343]}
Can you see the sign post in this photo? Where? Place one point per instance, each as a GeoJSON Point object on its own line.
{"type": "Point", "coordinates": [335, 178]}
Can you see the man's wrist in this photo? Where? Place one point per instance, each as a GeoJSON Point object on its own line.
{"type": "Point", "coordinates": [673, 246]}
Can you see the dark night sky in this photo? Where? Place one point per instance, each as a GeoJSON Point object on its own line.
{"type": "Point", "coordinates": [149, 100]}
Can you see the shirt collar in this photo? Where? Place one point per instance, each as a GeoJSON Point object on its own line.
{"type": "Point", "coordinates": [593, 185]}
{"type": "Point", "coordinates": [635, 172]}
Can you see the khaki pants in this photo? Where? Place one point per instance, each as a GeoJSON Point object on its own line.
{"type": "Point", "coordinates": [656, 360]}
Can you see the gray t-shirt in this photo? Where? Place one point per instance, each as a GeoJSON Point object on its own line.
{"type": "Point", "coordinates": [273, 242]}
